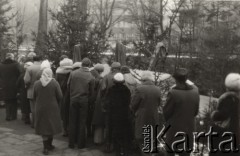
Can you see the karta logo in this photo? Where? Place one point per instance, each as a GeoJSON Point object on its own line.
{"type": "Point", "coordinates": [226, 141]}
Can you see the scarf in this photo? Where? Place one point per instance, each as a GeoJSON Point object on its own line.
{"type": "Point", "coordinates": [46, 77]}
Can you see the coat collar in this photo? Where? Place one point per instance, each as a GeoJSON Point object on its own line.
{"type": "Point", "coordinates": [148, 82]}
{"type": "Point", "coordinates": [8, 61]}
{"type": "Point", "coordinates": [85, 69]}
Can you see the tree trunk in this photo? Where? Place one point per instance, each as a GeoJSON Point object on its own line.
{"type": "Point", "coordinates": [41, 44]}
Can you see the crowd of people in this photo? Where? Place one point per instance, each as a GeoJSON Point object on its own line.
{"type": "Point", "coordinates": [102, 102]}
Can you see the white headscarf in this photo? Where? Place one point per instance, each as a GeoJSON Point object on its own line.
{"type": "Point", "coordinates": [47, 76]}
{"type": "Point", "coordinates": [45, 64]}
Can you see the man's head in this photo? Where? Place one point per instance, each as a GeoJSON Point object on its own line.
{"type": "Point", "coordinates": [86, 62]}
{"type": "Point", "coordinates": [9, 56]}
{"type": "Point", "coordinates": [181, 75]}
{"type": "Point", "coordinates": [104, 60]}
{"type": "Point", "coordinates": [116, 66]}
{"type": "Point", "coordinates": [37, 58]}
{"type": "Point", "coordinates": [63, 57]}
{"type": "Point", "coordinates": [99, 68]}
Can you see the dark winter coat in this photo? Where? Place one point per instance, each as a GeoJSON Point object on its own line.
{"type": "Point", "coordinates": [107, 83]}
{"type": "Point", "coordinates": [145, 103]}
{"type": "Point", "coordinates": [81, 84]}
{"type": "Point", "coordinates": [181, 107]}
{"type": "Point", "coordinates": [31, 76]}
{"type": "Point", "coordinates": [118, 102]}
{"type": "Point", "coordinates": [24, 102]}
{"type": "Point", "coordinates": [227, 113]}
{"type": "Point", "coordinates": [47, 100]}
{"type": "Point", "coordinates": [9, 73]}
{"type": "Point", "coordinates": [62, 76]}
{"type": "Point", "coordinates": [98, 115]}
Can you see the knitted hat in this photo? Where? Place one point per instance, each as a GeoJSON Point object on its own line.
{"type": "Point", "coordinates": [86, 62]}
{"type": "Point", "coordinates": [118, 78]}
{"type": "Point", "coordinates": [99, 67]}
{"type": "Point", "coordinates": [66, 62]}
{"type": "Point", "coordinates": [125, 70]}
{"type": "Point", "coordinates": [116, 65]}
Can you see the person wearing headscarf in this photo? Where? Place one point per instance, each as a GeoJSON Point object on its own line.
{"type": "Point", "coordinates": [30, 77]}
{"type": "Point", "coordinates": [45, 64]}
{"type": "Point", "coordinates": [62, 75]}
{"type": "Point", "coordinates": [226, 116]}
{"type": "Point", "coordinates": [47, 97]}
{"type": "Point", "coordinates": [117, 108]}
{"type": "Point", "coordinates": [81, 86]}
{"type": "Point", "coordinates": [9, 73]}
{"type": "Point", "coordinates": [24, 102]}
{"type": "Point", "coordinates": [180, 110]}
{"type": "Point", "coordinates": [145, 104]}
{"type": "Point", "coordinates": [107, 68]}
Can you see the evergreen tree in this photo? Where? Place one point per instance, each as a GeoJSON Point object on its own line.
{"type": "Point", "coordinates": [72, 28]}
{"type": "Point", "coordinates": [5, 37]}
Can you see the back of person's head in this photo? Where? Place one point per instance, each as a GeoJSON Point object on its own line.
{"type": "Point", "coordinates": [118, 78]}
{"type": "Point", "coordinates": [45, 64]}
{"type": "Point", "coordinates": [125, 70]}
{"type": "Point", "coordinates": [232, 82]}
{"type": "Point", "coordinates": [9, 56]}
{"type": "Point", "coordinates": [147, 76]}
{"type": "Point", "coordinates": [99, 68]}
{"type": "Point", "coordinates": [104, 60]}
{"type": "Point", "coordinates": [63, 57]}
{"type": "Point", "coordinates": [86, 62]}
{"type": "Point", "coordinates": [116, 66]}
{"type": "Point", "coordinates": [181, 75]}
{"type": "Point", "coordinates": [37, 58]}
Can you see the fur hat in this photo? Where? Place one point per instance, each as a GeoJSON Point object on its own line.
{"type": "Point", "coordinates": [118, 78]}
{"type": "Point", "coordinates": [77, 65]}
{"type": "Point", "coordinates": [232, 82]}
{"type": "Point", "coordinates": [66, 63]}
{"type": "Point", "coordinates": [147, 75]}
{"type": "Point", "coordinates": [99, 67]}
{"type": "Point", "coordinates": [45, 64]}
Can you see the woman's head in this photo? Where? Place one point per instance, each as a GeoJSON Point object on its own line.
{"type": "Point", "coordinates": [232, 82]}
{"type": "Point", "coordinates": [45, 64]}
